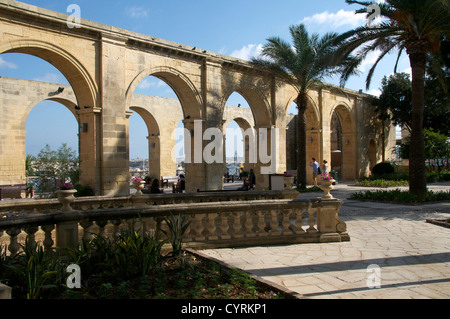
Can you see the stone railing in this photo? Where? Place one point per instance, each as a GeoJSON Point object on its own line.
{"type": "Point", "coordinates": [216, 220]}
{"type": "Point", "coordinates": [32, 206]}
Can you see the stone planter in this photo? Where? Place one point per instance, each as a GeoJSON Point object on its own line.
{"type": "Point", "coordinates": [65, 197]}
{"type": "Point", "coordinates": [288, 180]}
{"type": "Point", "coordinates": [138, 186]}
{"type": "Point", "coordinates": [326, 186]}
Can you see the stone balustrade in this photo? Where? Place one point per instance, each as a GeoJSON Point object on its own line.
{"type": "Point", "coordinates": [221, 219]}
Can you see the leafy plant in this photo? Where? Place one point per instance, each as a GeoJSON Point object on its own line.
{"type": "Point", "coordinates": [382, 169]}
{"type": "Point", "coordinates": [36, 270]}
{"type": "Point", "coordinates": [177, 228]}
{"type": "Point", "coordinates": [135, 254]}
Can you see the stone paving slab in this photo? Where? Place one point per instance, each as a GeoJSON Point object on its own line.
{"type": "Point", "coordinates": [411, 257]}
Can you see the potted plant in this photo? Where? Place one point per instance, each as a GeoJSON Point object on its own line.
{"type": "Point", "coordinates": [138, 184]}
{"type": "Point", "coordinates": [65, 194]}
{"type": "Point", "coordinates": [326, 184]}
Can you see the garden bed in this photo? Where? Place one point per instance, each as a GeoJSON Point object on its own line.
{"type": "Point", "coordinates": [132, 265]}
{"type": "Point", "coordinates": [440, 222]}
{"type": "Point", "coordinates": [398, 196]}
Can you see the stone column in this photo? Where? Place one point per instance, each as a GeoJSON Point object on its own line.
{"type": "Point", "coordinates": [193, 149]}
{"type": "Point", "coordinates": [154, 156]}
{"type": "Point", "coordinates": [115, 147]}
{"type": "Point", "coordinates": [89, 136]}
{"type": "Point", "coordinates": [267, 155]}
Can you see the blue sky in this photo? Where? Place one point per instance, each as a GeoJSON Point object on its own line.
{"type": "Point", "coordinates": [234, 28]}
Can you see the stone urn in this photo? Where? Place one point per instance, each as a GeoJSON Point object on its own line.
{"type": "Point", "coordinates": [288, 180]}
{"type": "Point", "coordinates": [65, 197]}
{"type": "Point", "coordinates": [138, 186]}
{"type": "Point", "coordinates": [326, 186]}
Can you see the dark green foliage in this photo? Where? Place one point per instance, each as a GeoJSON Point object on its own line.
{"type": "Point", "coordinates": [382, 169]}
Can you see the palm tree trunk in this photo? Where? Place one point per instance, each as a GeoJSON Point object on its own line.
{"type": "Point", "coordinates": [301, 140]}
{"type": "Point", "coordinates": [417, 169]}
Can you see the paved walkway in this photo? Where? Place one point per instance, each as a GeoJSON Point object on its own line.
{"type": "Point", "coordinates": [391, 247]}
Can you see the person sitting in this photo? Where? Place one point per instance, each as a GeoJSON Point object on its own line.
{"type": "Point", "coordinates": [251, 179]}
{"type": "Point", "coordinates": [155, 187]}
{"type": "Point", "coordinates": [148, 182]}
{"type": "Point", "coordinates": [180, 186]}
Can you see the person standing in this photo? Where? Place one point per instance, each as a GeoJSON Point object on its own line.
{"type": "Point", "coordinates": [325, 166]}
{"type": "Point", "coordinates": [315, 168]}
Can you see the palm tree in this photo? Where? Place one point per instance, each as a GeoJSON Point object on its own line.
{"type": "Point", "coordinates": [414, 26]}
{"type": "Point", "coordinates": [303, 65]}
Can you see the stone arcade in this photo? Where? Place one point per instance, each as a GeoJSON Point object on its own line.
{"type": "Point", "coordinates": [105, 64]}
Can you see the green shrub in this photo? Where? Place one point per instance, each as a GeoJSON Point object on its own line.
{"type": "Point", "coordinates": [84, 191]}
{"type": "Point", "coordinates": [382, 169]}
{"type": "Point", "coordinates": [399, 196]}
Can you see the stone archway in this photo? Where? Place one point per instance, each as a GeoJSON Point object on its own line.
{"type": "Point", "coordinates": [154, 143]}
{"type": "Point", "coordinates": [343, 142]}
{"type": "Point", "coordinates": [190, 99]}
{"type": "Point", "coordinates": [86, 96]}
{"type": "Point", "coordinates": [191, 106]}
{"type": "Point", "coordinates": [314, 141]}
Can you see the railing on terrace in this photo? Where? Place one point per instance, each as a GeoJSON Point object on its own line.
{"type": "Point", "coordinates": [227, 219]}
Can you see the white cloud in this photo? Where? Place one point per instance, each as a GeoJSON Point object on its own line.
{"type": "Point", "coordinates": [136, 12]}
{"type": "Point", "coordinates": [149, 83]}
{"type": "Point", "coordinates": [247, 51]}
{"type": "Point", "coordinates": [7, 65]}
{"type": "Point", "coordinates": [375, 92]}
{"type": "Point", "coordinates": [336, 20]}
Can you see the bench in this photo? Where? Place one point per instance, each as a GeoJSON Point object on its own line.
{"type": "Point", "coordinates": [168, 180]}
{"type": "Point", "coordinates": [15, 190]}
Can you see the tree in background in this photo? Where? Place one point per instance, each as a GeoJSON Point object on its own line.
{"type": "Point", "coordinates": [395, 103]}
{"type": "Point", "coordinates": [302, 64]}
{"type": "Point", "coordinates": [437, 149]}
{"type": "Point", "coordinates": [414, 26]}
{"type": "Point", "coordinates": [54, 167]}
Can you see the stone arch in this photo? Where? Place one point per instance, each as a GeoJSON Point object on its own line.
{"type": "Point", "coordinates": [314, 147]}
{"type": "Point", "coordinates": [70, 105]}
{"type": "Point", "coordinates": [348, 140]}
{"type": "Point", "coordinates": [189, 97]}
{"type": "Point", "coordinates": [257, 101]}
{"type": "Point", "coordinates": [154, 143]}
{"type": "Point", "coordinates": [76, 74]}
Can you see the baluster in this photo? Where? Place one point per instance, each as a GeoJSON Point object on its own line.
{"type": "Point", "coordinates": [86, 225]}
{"type": "Point", "coordinates": [13, 246]}
{"type": "Point", "coordinates": [285, 223]}
{"type": "Point", "coordinates": [219, 225]}
{"type": "Point", "coordinates": [116, 229]}
{"type": "Point", "coordinates": [101, 227]}
{"type": "Point", "coordinates": [197, 228]}
{"type": "Point", "coordinates": [262, 224]}
{"type": "Point", "coordinates": [211, 226]}
{"type": "Point", "coordinates": [240, 218]}
{"type": "Point", "coordinates": [295, 227]}
{"type": "Point", "coordinates": [273, 223]}
{"type": "Point", "coordinates": [231, 220]}
{"type": "Point", "coordinates": [31, 237]}
{"type": "Point", "coordinates": [311, 221]}
{"type": "Point", "coordinates": [224, 226]}
{"type": "Point", "coordinates": [48, 240]}
{"type": "Point", "coordinates": [249, 226]}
